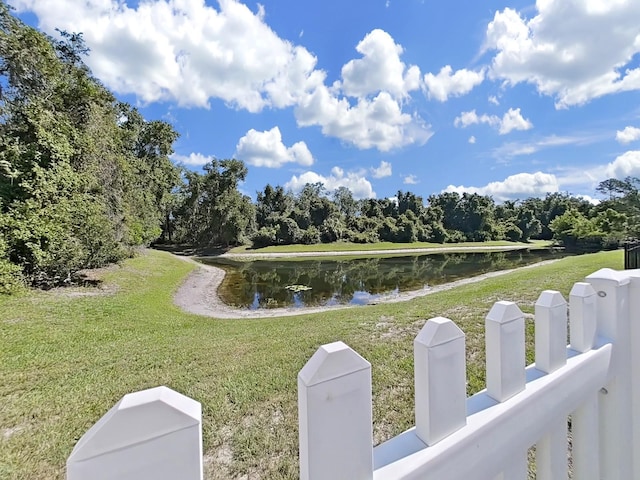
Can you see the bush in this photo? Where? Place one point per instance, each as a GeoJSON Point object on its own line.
{"type": "Point", "coordinates": [288, 232]}
{"type": "Point", "coordinates": [361, 237]}
{"type": "Point", "coordinates": [310, 236]}
{"type": "Point", "coordinates": [264, 237]}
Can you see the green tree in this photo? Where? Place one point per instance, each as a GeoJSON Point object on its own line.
{"type": "Point", "coordinates": [213, 211]}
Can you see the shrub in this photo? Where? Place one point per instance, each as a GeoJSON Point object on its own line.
{"type": "Point", "coordinates": [264, 237]}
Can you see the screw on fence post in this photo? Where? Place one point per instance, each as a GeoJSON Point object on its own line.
{"type": "Point", "coordinates": [152, 434]}
{"type": "Point", "coordinates": [551, 331]}
{"type": "Point", "coordinates": [582, 313]}
{"type": "Point", "coordinates": [505, 353]}
{"type": "Point", "coordinates": [440, 380]}
{"type": "Point", "coordinates": [612, 306]}
{"type": "Point", "coordinates": [334, 413]}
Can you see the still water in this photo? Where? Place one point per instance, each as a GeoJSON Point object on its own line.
{"type": "Point", "coordinates": [263, 283]}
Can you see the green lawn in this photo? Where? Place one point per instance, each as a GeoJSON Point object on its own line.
{"type": "Point", "coordinates": [65, 360]}
{"type": "Point", "coordinates": [349, 247]}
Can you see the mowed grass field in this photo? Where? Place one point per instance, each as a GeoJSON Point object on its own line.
{"type": "Point", "coordinates": [66, 357]}
{"type": "Point", "coordinates": [364, 247]}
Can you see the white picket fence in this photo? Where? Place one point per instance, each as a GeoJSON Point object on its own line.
{"type": "Point", "coordinates": [595, 381]}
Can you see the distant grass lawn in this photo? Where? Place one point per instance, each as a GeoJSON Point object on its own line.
{"type": "Point", "coordinates": [348, 247]}
{"type": "Point", "coordinates": [67, 359]}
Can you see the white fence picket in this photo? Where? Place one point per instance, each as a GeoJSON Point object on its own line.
{"type": "Point", "coordinates": [586, 440]}
{"type": "Point", "coordinates": [154, 434]}
{"type": "Point", "coordinates": [505, 352]}
{"type": "Point", "coordinates": [584, 420]}
{"type": "Point", "coordinates": [582, 312]}
{"type": "Point", "coordinates": [440, 380]}
{"type": "Point", "coordinates": [551, 354]}
{"type": "Point", "coordinates": [334, 411]}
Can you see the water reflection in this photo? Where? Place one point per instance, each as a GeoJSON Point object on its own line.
{"type": "Point", "coordinates": [262, 283]}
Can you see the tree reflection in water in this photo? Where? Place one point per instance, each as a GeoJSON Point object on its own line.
{"type": "Point", "coordinates": [262, 283]}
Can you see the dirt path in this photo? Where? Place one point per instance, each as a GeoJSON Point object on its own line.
{"type": "Point", "coordinates": [198, 294]}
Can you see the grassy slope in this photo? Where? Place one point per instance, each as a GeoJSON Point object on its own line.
{"type": "Point", "coordinates": [349, 247]}
{"type": "Point", "coordinates": [65, 361]}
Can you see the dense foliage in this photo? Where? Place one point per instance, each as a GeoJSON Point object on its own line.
{"type": "Point", "coordinates": [312, 217]}
{"type": "Point", "coordinates": [83, 177]}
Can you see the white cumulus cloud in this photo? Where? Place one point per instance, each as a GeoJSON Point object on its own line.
{"type": "Point", "coordinates": [193, 159]}
{"type": "Point", "coordinates": [572, 50]}
{"type": "Point", "coordinates": [384, 170]}
{"type": "Point", "coordinates": [184, 51]}
{"type": "Point", "coordinates": [628, 135]}
{"type": "Point", "coordinates": [188, 52]}
{"type": "Point", "coordinates": [449, 84]}
{"type": "Point", "coordinates": [511, 120]}
{"type": "Point", "coordinates": [410, 180]}
{"type": "Point", "coordinates": [472, 139]}
{"type": "Point", "coordinates": [379, 69]}
{"type": "Point", "coordinates": [266, 149]}
{"type": "Point", "coordinates": [627, 164]}
{"type": "Point", "coordinates": [376, 123]}
{"type": "Point", "coordinates": [358, 184]}
{"type": "Point", "coordinates": [518, 186]}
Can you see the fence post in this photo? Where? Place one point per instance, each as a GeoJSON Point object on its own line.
{"type": "Point", "coordinates": [584, 421]}
{"type": "Point", "coordinates": [551, 354]}
{"type": "Point", "coordinates": [616, 436]}
{"type": "Point", "coordinates": [634, 320]}
{"type": "Point", "coordinates": [152, 434]}
{"type": "Point", "coordinates": [440, 380]}
{"type": "Point", "coordinates": [505, 353]}
{"type": "Point", "coordinates": [335, 417]}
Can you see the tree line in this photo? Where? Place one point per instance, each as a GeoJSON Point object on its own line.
{"type": "Point", "coordinates": [317, 216]}
{"type": "Point", "coordinates": [85, 180]}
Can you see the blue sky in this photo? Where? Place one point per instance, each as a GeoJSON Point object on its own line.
{"type": "Point", "coordinates": [506, 98]}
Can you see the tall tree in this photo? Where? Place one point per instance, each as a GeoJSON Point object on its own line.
{"type": "Point", "coordinates": [214, 212]}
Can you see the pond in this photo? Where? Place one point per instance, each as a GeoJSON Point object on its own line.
{"type": "Point", "coordinates": [273, 283]}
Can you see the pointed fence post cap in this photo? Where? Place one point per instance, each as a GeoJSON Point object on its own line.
{"type": "Point", "coordinates": [504, 312]}
{"type": "Point", "coordinates": [608, 274]}
{"type": "Point", "coordinates": [134, 420]}
{"type": "Point", "coordinates": [438, 331]}
{"type": "Point", "coordinates": [582, 289]}
{"type": "Point", "coordinates": [331, 361]}
{"type": "Point", "coordinates": [550, 299]}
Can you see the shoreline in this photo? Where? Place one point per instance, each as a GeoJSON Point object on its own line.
{"type": "Point", "coordinates": [198, 294]}
{"type": "Point", "coordinates": [346, 253]}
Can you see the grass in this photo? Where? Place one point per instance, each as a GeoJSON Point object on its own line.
{"type": "Point", "coordinates": [66, 360]}
{"type": "Point", "coordinates": [350, 247]}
